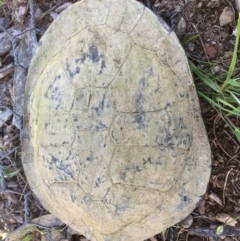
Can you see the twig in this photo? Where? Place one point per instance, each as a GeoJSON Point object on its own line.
{"type": "Point", "coordinates": [9, 153]}
{"type": "Point", "coordinates": [6, 71]}
{"type": "Point", "coordinates": [225, 184]}
{"type": "Point", "coordinates": [47, 12]}
{"type": "Point", "coordinates": [204, 49]}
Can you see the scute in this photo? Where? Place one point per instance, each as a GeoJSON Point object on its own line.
{"type": "Point", "coordinates": [140, 82]}
{"type": "Point", "coordinates": [135, 166]}
{"type": "Point", "coordinates": [95, 55]}
{"type": "Point", "coordinates": [92, 109]}
{"type": "Point", "coordinates": [114, 144]}
{"type": "Point", "coordinates": [120, 15]}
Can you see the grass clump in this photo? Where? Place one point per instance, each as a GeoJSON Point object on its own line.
{"type": "Point", "coordinates": [222, 92]}
{"type": "Point", "coordinates": [2, 2]}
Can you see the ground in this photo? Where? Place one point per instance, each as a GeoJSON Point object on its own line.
{"type": "Point", "coordinates": [215, 21]}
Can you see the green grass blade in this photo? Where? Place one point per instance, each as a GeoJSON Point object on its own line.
{"type": "Point", "coordinates": [234, 82]}
{"type": "Point", "coordinates": [237, 133]}
{"type": "Point", "coordinates": [236, 98]}
{"type": "Point", "coordinates": [205, 78]}
{"type": "Point", "coordinates": [218, 107]}
{"type": "Point", "coordinates": [188, 39]}
{"type": "Point", "coordinates": [225, 103]}
{"type": "Point", "coordinates": [234, 57]}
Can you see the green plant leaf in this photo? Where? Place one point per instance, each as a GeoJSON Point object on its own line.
{"type": "Point", "coordinates": [204, 77]}
{"type": "Point", "coordinates": [234, 82]}
{"type": "Point", "coordinates": [237, 133]}
{"type": "Point", "coordinates": [225, 103]}
{"type": "Point", "coordinates": [188, 39]}
{"type": "Point", "coordinates": [234, 58]}
{"type": "Point", "coordinates": [236, 98]}
{"type": "Point", "coordinates": [219, 230]}
{"type": "Point", "coordinates": [8, 173]}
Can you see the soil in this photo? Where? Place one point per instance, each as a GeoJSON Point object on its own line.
{"type": "Point", "coordinates": [214, 21]}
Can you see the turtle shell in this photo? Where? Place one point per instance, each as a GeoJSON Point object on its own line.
{"type": "Point", "coordinates": [114, 144]}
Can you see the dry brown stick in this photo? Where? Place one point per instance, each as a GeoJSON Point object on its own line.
{"type": "Point", "coordinates": [6, 71]}
{"type": "Point", "coordinates": [212, 232]}
{"type": "Point", "coordinates": [225, 184]}
{"type": "Point", "coordinates": [200, 38]}
{"type": "Point", "coordinates": [48, 11]}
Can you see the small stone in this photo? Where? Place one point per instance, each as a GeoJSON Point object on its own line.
{"type": "Point", "coordinates": [215, 162]}
{"type": "Point", "coordinates": [53, 15]}
{"type": "Point", "coordinates": [38, 13]}
{"type": "Point", "coordinates": [156, 5]}
{"type": "Point", "coordinates": [227, 16]}
{"type": "Point", "coordinates": [235, 32]}
{"type": "Point", "coordinates": [187, 222]}
{"type": "Point", "coordinates": [191, 46]}
{"type": "Point", "coordinates": [215, 70]}
{"type": "Point", "coordinates": [181, 27]}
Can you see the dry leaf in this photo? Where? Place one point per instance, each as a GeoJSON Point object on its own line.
{"type": "Point", "coordinates": [226, 219]}
{"type": "Point", "coordinates": [187, 222]}
{"type": "Point", "coordinates": [12, 220]}
{"type": "Point", "coordinates": [201, 206]}
{"type": "Point", "coordinates": [18, 218]}
{"type": "Point", "coordinates": [214, 197]}
{"type": "Point", "coordinates": [11, 197]}
{"type": "Point", "coordinates": [46, 220]}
